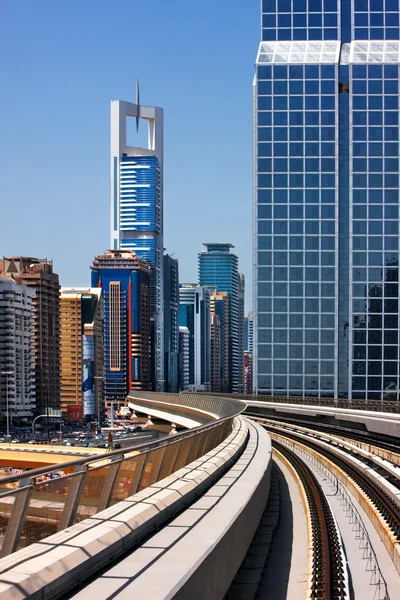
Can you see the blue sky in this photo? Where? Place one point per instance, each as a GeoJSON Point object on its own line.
{"type": "Point", "coordinates": [61, 63]}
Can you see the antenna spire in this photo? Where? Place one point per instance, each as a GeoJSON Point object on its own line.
{"type": "Point", "coordinates": [138, 104]}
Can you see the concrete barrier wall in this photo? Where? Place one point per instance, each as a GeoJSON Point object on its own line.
{"type": "Point", "coordinates": [197, 555]}
{"type": "Point", "coordinates": [52, 567]}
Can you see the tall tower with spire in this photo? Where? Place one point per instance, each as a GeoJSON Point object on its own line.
{"type": "Point", "coordinates": [136, 206]}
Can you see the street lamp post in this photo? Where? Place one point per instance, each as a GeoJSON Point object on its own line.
{"type": "Point", "coordinates": [7, 373]}
{"type": "Point", "coordinates": [112, 415]}
{"type": "Point", "coordinates": [98, 378]}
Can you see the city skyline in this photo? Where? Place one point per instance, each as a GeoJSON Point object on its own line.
{"type": "Point", "coordinates": [66, 119]}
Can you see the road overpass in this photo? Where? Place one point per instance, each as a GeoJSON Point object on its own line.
{"type": "Point", "coordinates": [192, 515]}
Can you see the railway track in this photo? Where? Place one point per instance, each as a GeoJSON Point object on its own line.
{"type": "Point", "coordinates": [382, 501]}
{"type": "Point", "coordinates": [328, 576]}
{"type": "Point", "coordinates": [383, 442]}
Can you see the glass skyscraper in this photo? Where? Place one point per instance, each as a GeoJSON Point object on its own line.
{"type": "Point", "coordinates": [125, 282]}
{"type": "Point", "coordinates": [326, 199]}
{"type": "Point", "coordinates": [136, 202]}
{"type": "Point", "coordinates": [219, 270]}
{"type": "Point", "coordinates": [171, 324]}
{"type": "Point", "coordinates": [194, 314]}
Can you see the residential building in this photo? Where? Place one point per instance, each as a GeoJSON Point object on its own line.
{"type": "Point", "coordinates": [241, 325]}
{"type": "Point", "coordinates": [183, 359]}
{"type": "Point", "coordinates": [194, 313]}
{"type": "Point", "coordinates": [125, 282]}
{"type": "Point", "coordinates": [326, 200]}
{"type": "Point", "coordinates": [218, 269]}
{"type": "Point", "coordinates": [248, 373]}
{"type": "Point", "coordinates": [219, 306]}
{"type": "Point", "coordinates": [248, 355]}
{"type": "Point", "coordinates": [39, 275]}
{"type": "Point", "coordinates": [171, 324]}
{"type": "Point", "coordinates": [81, 337]}
{"type": "Point", "coordinates": [17, 360]}
{"type": "Point", "coordinates": [137, 207]}
{"type": "Point", "coordinates": [215, 353]}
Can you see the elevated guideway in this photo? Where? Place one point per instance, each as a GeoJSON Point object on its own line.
{"type": "Point", "coordinates": [186, 516]}
{"type": "Point", "coordinates": [382, 423]}
{"type": "Point", "coordinates": [212, 479]}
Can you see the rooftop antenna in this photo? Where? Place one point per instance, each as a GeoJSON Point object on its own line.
{"type": "Point", "coordinates": [138, 104]}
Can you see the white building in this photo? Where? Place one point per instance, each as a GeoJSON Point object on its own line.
{"type": "Point", "coordinates": [17, 364]}
{"type": "Point", "coordinates": [183, 358]}
{"type": "Point", "coordinates": [194, 313]}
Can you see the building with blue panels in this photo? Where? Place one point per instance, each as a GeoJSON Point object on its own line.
{"type": "Point", "coordinates": [137, 207]}
{"type": "Point", "coordinates": [125, 282]}
{"type": "Point", "coordinates": [194, 314]}
{"type": "Point", "coordinates": [326, 199]}
{"type": "Point", "coordinates": [171, 323]}
{"type": "Point", "coordinates": [218, 270]}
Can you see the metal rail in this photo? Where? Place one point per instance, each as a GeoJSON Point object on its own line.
{"type": "Point", "coordinates": [377, 496]}
{"type": "Point", "coordinates": [349, 446]}
{"type": "Point", "coordinates": [328, 569]}
{"type": "Point", "coordinates": [41, 505]}
{"type": "Point", "coordinates": [372, 565]}
{"type": "Point", "coordinates": [370, 405]}
{"type": "Point", "coordinates": [367, 437]}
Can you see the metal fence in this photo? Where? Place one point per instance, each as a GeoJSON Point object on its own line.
{"type": "Point", "coordinates": [40, 502]}
{"type": "Point", "coordinates": [390, 406]}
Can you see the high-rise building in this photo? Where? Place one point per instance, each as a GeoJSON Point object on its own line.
{"type": "Point", "coordinates": [17, 361]}
{"type": "Point", "coordinates": [124, 279]}
{"type": "Point", "coordinates": [183, 358]}
{"type": "Point", "coordinates": [219, 306]}
{"type": "Point", "coordinates": [218, 269]}
{"type": "Point", "coordinates": [194, 313]}
{"type": "Point", "coordinates": [326, 202]}
{"type": "Point", "coordinates": [81, 349]}
{"type": "Point", "coordinates": [39, 275]}
{"type": "Point", "coordinates": [248, 333]}
{"type": "Point", "coordinates": [248, 355]}
{"type": "Point", "coordinates": [247, 373]}
{"type": "Point", "coordinates": [215, 353]}
{"type": "Point", "coordinates": [137, 207]}
{"type": "Point", "coordinates": [171, 324]}
{"type": "Point", "coordinates": [241, 325]}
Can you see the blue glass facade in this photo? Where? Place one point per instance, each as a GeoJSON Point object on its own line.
{"type": "Point", "coordinates": [194, 314]}
{"type": "Point", "coordinates": [124, 280]}
{"type": "Point", "coordinates": [218, 269]}
{"type": "Point", "coordinates": [171, 324]}
{"type": "Point", "coordinates": [140, 194]}
{"type": "Point", "coordinates": [326, 220]}
{"type": "Point", "coordinates": [140, 214]}
{"type": "Point", "coordinates": [300, 19]}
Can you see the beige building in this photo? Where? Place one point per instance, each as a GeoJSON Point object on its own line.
{"type": "Point", "coordinates": [81, 349]}
{"type": "Point", "coordinates": [219, 305]}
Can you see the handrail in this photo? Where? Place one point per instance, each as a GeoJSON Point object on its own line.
{"type": "Point", "coordinates": [115, 453]}
{"type": "Point", "coordinates": [99, 481]}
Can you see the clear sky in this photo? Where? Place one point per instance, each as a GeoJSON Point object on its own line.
{"type": "Point", "coordinates": [62, 62]}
